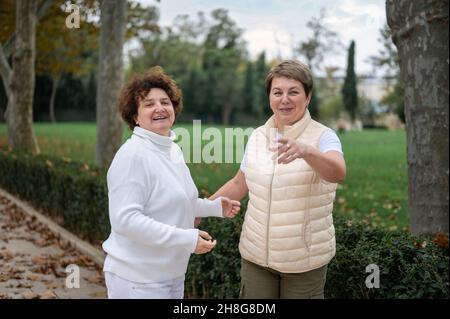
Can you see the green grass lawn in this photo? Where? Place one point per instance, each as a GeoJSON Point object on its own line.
{"type": "Point", "coordinates": [375, 189]}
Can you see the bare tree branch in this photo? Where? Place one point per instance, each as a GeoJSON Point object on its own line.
{"type": "Point", "coordinates": [5, 70]}
{"type": "Point", "coordinates": [43, 6]}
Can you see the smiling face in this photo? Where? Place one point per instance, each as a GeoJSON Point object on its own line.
{"type": "Point", "coordinates": [288, 100]}
{"type": "Point", "coordinates": [156, 112]}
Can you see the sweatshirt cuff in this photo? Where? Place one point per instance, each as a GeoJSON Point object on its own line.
{"type": "Point", "coordinates": [209, 208]}
{"type": "Point", "coordinates": [191, 239]}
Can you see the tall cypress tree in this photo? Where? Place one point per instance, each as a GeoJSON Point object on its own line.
{"type": "Point", "coordinates": [249, 91]}
{"type": "Point", "coordinates": [314, 106]}
{"type": "Point", "coordinates": [262, 101]}
{"type": "Point", "coordinates": [349, 91]}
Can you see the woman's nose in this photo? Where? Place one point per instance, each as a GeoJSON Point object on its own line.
{"type": "Point", "coordinates": [158, 107]}
{"type": "Point", "coordinates": [284, 98]}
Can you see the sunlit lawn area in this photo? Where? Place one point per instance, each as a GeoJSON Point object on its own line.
{"type": "Point", "coordinates": [375, 189]}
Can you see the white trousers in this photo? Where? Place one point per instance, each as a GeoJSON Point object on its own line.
{"type": "Point", "coordinates": [120, 288]}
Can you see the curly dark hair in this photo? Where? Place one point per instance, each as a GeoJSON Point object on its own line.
{"type": "Point", "coordinates": [138, 89]}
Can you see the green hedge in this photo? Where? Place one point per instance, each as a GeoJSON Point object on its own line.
{"type": "Point", "coordinates": [410, 267]}
{"type": "Point", "coordinates": [71, 192]}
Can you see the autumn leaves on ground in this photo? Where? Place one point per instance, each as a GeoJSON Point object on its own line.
{"type": "Point", "coordinates": [33, 260]}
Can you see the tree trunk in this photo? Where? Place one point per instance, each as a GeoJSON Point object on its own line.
{"type": "Point", "coordinates": [226, 113]}
{"type": "Point", "coordinates": [420, 33]}
{"type": "Point", "coordinates": [51, 108]}
{"type": "Point", "coordinates": [110, 80]}
{"type": "Point", "coordinates": [5, 72]}
{"type": "Point", "coordinates": [20, 99]}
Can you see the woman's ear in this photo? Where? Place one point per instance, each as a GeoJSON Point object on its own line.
{"type": "Point", "coordinates": [308, 99]}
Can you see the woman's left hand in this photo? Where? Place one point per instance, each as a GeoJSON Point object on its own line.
{"type": "Point", "coordinates": [230, 207]}
{"type": "Point", "coordinates": [289, 149]}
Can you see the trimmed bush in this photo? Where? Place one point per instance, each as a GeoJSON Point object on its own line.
{"type": "Point", "coordinates": [410, 267]}
{"type": "Point", "coordinates": [71, 192]}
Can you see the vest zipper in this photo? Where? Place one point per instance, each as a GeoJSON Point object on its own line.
{"type": "Point", "coordinates": [268, 213]}
{"type": "Point", "coordinates": [307, 213]}
{"type": "Point", "coordinates": [305, 240]}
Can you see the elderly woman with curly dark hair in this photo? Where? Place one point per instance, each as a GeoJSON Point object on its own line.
{"type": "Point", "coordinates": [153, 200]}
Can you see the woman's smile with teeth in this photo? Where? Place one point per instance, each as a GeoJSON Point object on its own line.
{"type": "Point", "coordinates": [286, 109]}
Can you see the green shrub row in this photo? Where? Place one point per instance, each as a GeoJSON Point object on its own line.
{"type": "Point", "coordinates": [71, 192]}
{"type": "Point", "coordinates": [410, 267]}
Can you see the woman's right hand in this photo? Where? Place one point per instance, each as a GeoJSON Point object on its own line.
{"type": "Point", "coordinates": [204, 243]}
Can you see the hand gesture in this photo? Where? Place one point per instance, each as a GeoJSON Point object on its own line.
{"type": "Point", "coordinates": [289, 149]}
{"type": "Point", "coordinates": [230, 207]}
{"type": "Point", "coordinates": [205, 243]}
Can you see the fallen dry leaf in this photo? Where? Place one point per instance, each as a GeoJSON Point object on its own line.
{"type": "Point", "coordinates": [16, 276]}
{"type": "Point", "coordinates": [33, 277]}
{"type": "Point", "coordinates": [30, 295]}
{"type": "Point", "coordinates": [86, 261]}
{"type": "Point", "coordinates": [100, 294]}
{"type": "Point", "coordinates": [96, 279]}
{"type": "Point", "coordinates": [84, 167]}
{"type": "Point", "coordinates": [6, 255]}
{"type": "Point", "coordinates": [63, 244]}
{"type": "Point", "coordinates": [46, 281]}
{"type": "Point", "coordinates": [39, 260]}
{"type": "Point", "coordinates": [17, 270]}
{"type": "Point", "coordinates": [24, 285]}
{"type": "Point", "coordinates": [68, 261]}
{"type": "Point", "coordinates": [49, 163]}
{"type": "Point", "coordinates": [421, 245]}
{"type": "Point", "coordinates": [4, 277]}
{"type": "Point", "coordinates": [47, 295]}
{"type": "Point", "coordinates": [54, 285]}
{"type": "Point", "coordinates": [441, 240]}
{"type": "Point", "coordinates": [43, 270]}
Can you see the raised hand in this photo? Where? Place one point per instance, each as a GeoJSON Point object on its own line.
{"type": "Point", "coordinates": [289, 149]}
{"type": "Point", "coordinates": [230, 207]}
{"type": "Point", "coordinates": [204, 243]}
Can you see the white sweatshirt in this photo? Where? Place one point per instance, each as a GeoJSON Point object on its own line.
{"type": "Point", "coordinates": [153, 202]}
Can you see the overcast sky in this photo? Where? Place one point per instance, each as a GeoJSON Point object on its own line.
{"type": "Point", "coordinates": [277, 26]}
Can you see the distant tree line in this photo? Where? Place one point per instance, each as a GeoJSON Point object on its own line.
{"type": "Point", "coordinates": [206, 55]}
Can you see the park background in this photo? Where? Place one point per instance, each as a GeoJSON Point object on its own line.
{"type": "Point", "coordinates": [79, 67]}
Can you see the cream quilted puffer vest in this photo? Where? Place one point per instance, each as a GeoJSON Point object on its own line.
{"type": "Point", "coordinates": [288, 225]}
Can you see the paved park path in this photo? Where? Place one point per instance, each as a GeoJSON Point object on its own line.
{"type": "Point", "coordinates": [34, 260]}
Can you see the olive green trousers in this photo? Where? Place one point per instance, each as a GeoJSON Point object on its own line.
{"type": "Point", "coordinates": [259, 282]}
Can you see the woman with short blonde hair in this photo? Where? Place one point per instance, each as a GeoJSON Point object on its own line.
{"type": "Point", "coordinates": [290, 170]}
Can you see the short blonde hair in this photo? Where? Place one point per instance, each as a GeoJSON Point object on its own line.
{"type": "Point", "coordinates": [291, 69]}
